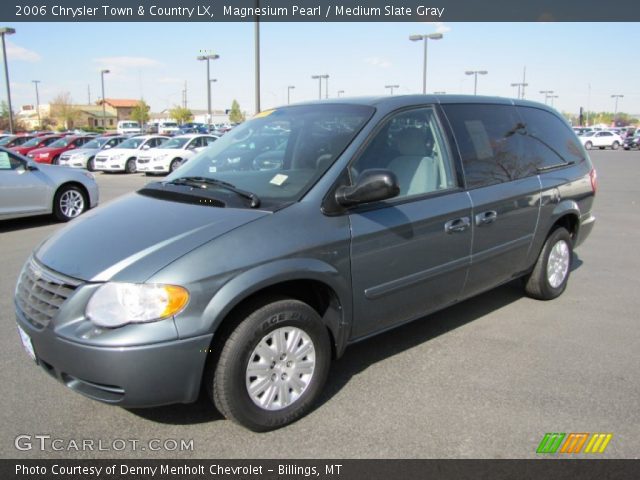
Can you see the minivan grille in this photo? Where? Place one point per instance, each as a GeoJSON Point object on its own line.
{"type": "Point", "coordinates": [41, 292]}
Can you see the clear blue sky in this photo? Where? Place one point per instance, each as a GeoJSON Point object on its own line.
{"type": "Point", "coordinates": [153, 60]}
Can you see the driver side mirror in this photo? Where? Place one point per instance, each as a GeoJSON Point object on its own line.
{"type": "Point", "coordinates": [146, 147]}
{"type": "Point", "coordinates": [372, 185]}
{"type": "Point", "coordinates": [107, 146]}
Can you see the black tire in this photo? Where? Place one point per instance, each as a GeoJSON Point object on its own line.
{"type": "Point", "coordinates": [55, 160]}
{"type": "Point", "coordinates": [615, 145]}
{"type": "Point", "coordinates": [69, 202]}
{"type": "Point", "coordinates": [91, 164]}
{"type": "Point", "coordinates": [130, 166]}
{"type": "Point", "coordinates": [227, 380]}
{"type": "Point", "coordinates": [175, 163]}
{"type": "Point", "coordinates": [539, 284]}
{"type": "Point", "coordinates": [588, 145]}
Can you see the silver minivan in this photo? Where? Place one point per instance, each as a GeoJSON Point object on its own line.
{"type": "Point", "coordinates": [300, 232]}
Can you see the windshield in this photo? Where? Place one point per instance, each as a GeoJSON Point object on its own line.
{"type": "Point", "coordinates": [168, 124]}
{"type": "Point", "coordinates": [6, 140]}
{"type": "Point", "coordinates": [588, 134]}
{"type": "Point", "coordinates": [130, 125]}
{"type": "Point", "coordinates": [96, 143]}
{"type": "Point", "coordinates": [133, 143]}
{"type": "Point", "coordinates": [63, 142]}
{"type": "Point", "coordinates": [279, 154]}
{"type": "Point", "coordinates": [34, 142]}
{"type": "Point", "coordinates": [174, 143]}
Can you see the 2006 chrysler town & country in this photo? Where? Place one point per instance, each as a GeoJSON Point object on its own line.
{"type": "Point", "coordinates": [306, 229]}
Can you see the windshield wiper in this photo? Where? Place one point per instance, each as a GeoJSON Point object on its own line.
{"type": "Point", "coordinates": [203, 182]}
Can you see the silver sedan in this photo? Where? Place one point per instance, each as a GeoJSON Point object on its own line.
{"type": "Point", "coordinates": [28, 188]}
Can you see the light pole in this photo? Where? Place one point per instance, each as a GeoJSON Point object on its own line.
{"type": "Point", "coordinates": [207, 58]}
{"type": "Point", "coordinates": [36, 82]}
{"type": "Point", "coordinates": [546, 94]}
{"type": "Point", "coordinates": [552, 97]}
{"type": "Point", "coordinates": [520, 92]}
{"type": "Point", "coordinates": [425, 38]}
{"type": "Point", "coordinates": [7, 31]}
{"type": "Point", "coordinates": [615, 110]}
{"type": "Point", "coordinates": [475, 74]}
{"type": "Point", "coordinates": [326, 85]}
{"type": "Point", "coordinates": [289, 88]}
{"type": "Point", "coordinates": [319, 78]}
{"type": "Point", "coordinates": [439, 93]}
{"type": "Point", "coordinates": [340, 92]}
{"type": "Point", "coordinates": [391, 87]}
{"type": "Point", "coordinates": [104, 114]}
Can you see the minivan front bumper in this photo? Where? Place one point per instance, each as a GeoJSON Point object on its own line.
{"type": "Point", "coordinates": [138, 376]}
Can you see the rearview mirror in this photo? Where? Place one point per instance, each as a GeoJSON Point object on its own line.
{"type": "Point", "coordinates": [372, 185]}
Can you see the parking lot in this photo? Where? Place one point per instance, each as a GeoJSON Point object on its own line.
{"type": "Point", "coordinates": [486, 378]}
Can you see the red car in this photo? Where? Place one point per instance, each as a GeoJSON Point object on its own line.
{"type": "Point", "coordinates": [36, 142]}
{"type": "Point", "coordinates": [51, 153]}
{"type": "Point", "coordinates": [15, 140]}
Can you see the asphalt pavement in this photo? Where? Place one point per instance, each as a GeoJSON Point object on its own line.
{"type": "Point", "coordinates": [484, 379]}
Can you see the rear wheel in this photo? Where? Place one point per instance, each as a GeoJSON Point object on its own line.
{"type": "Point", "coordinates": [272, 367]}
{"type": "Point", "coordinates": [69, 202]}
{"type": "Point", "coordinates": [552, 269]}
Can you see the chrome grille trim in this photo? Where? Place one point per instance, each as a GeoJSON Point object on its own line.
{"type": "Point", "coordinates": [40, 292]}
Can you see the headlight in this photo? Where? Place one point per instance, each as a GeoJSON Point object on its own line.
{"type": "Point", "coordinates": [43, 155]}
{"type": "Point", "coordinates": [117, 304]}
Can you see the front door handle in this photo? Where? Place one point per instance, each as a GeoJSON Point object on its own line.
{"type": "Point", "coordinates": [458, 225]}
{"type": "Point", "coordinates": [486, 218]}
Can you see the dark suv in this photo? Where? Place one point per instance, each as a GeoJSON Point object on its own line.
{"type": "Point", "coordinates": [302, 231]}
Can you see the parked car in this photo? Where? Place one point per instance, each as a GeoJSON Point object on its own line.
{"type": "Point", "coordinates": [633, 142]}
{"type": "Point", "coordinates": [168, 128]}
{"type": "Point", "coordinates": [151, 128]}
{"type": "Point", "coordinates": [122, 157]}
{"type": "Point", "coordinates": [85, 157]}
{"type": "Point", "coordinates": [36, 142]}
{"type": "Point", "coordinates": [15, 140]}
{"type": "Point", "coordinates": [128, 127]}
{"type": "Point", "coordinates": [172, 153]}
{"type": "Point", "coordinates": [28, 189]}
{"type": "Point", "coordinates": [248, 281]}
{"type": "Point", "coordinates": [601, 139]}
{"type": "Point", "coordinates": [51, 153]}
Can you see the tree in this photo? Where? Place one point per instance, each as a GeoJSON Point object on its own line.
{"type": "Point", "coordinates": [180, 114]}
{"type": "Point", "coordinates": [63, 111]}
{"type": "Point", "coordinates": [140, 112]}
{"type": "Point", "coordinates": [235, 115]}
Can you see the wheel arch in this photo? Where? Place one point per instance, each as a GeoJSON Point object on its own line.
{"type": "Point", "coordinates": [82, 188]}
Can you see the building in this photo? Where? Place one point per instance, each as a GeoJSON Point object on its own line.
{"type": "Point", "coordinates": [84, 116]}
{"type": "Point", "coordinates": [122, 106]}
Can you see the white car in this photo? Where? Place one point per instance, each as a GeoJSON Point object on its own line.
{"type": "Point", "coordinates": [600, 139]}
{"type": "Point", "coordinates": [168, 128]}
{"type": "Point", "coordinates": [28, 188]}
{"type": "Point", "coordinates": [170, 155]}
{"type": "Point", "coordinates": [128, 127]}
{"type": "Point", "coordinates": [122, 158]}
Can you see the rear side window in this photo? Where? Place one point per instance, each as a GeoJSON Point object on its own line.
{"type": "Point", "coordinates": [489, 138]}
{"type": "Point", "coordinates": [549, 141]}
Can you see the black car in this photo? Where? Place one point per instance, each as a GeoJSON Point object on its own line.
{"type": "Point", "coordinates": [631, 142]}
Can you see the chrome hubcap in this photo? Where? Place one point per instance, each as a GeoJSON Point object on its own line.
{"type": "Point", "coordinates": [558, 264]}
{"type": "Point", "coordinates": [280, 368]}
{"type": "Point", "coordinates": [71, 203]}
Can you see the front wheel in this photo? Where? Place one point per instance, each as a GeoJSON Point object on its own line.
{"type": "Point", "coordinates": [272, 367]}
{"type": "Point", "coordinates": [130, 166]}
{"type": "Point", "coordinates": [69, 202]}
{"type": "Point", "coordinates": [174, 165]}
{"type": "Point", "coordinates": [56, 160]}
{"type": "Point", "coordinates": [91, 165]}
{"type": "Point", "coordinates": [615, 145]}
{"type": "Point", "coordinates": [552, 269]}
{"type": "Point", "coordinates": [588, 145]}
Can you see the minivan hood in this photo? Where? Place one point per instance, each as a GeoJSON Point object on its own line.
{"type": "Point", "coordinates": [133, 237]}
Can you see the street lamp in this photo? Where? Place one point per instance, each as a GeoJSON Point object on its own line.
{"type": "Point", "coordinates": [552, 97]}
{"type": "Point", "coordinates": [340, 92]}
{"type": "Point", "coordinates": [521, 84]}
{"type": "Point", "coordinates": [104, 114]}
{"type": "Point", "coordinates": [425, 38]}
{"type": "Point", "coordinates": [36, 82]}
{"type": "Point", "coordinates": [439, 93]}
{"type": "Point", "coordinates": [615, 111]}
{"type": "Point", "coordinates": [319, 78]}
{"type": "Point", "coordinates": [289, 88]}
{"type": "Point", "coordinates": [475, 74]}
{"type": "Point", "coordinates": [206, 58]}
{"type": "Point", "coordinates": [546, 94]}
{"type": "Point", "coordinates": [7, 31]}
{"type": "Point", "coordinates": [326, 85]}
{"type": "Point", "coordinates": [391, 87]}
